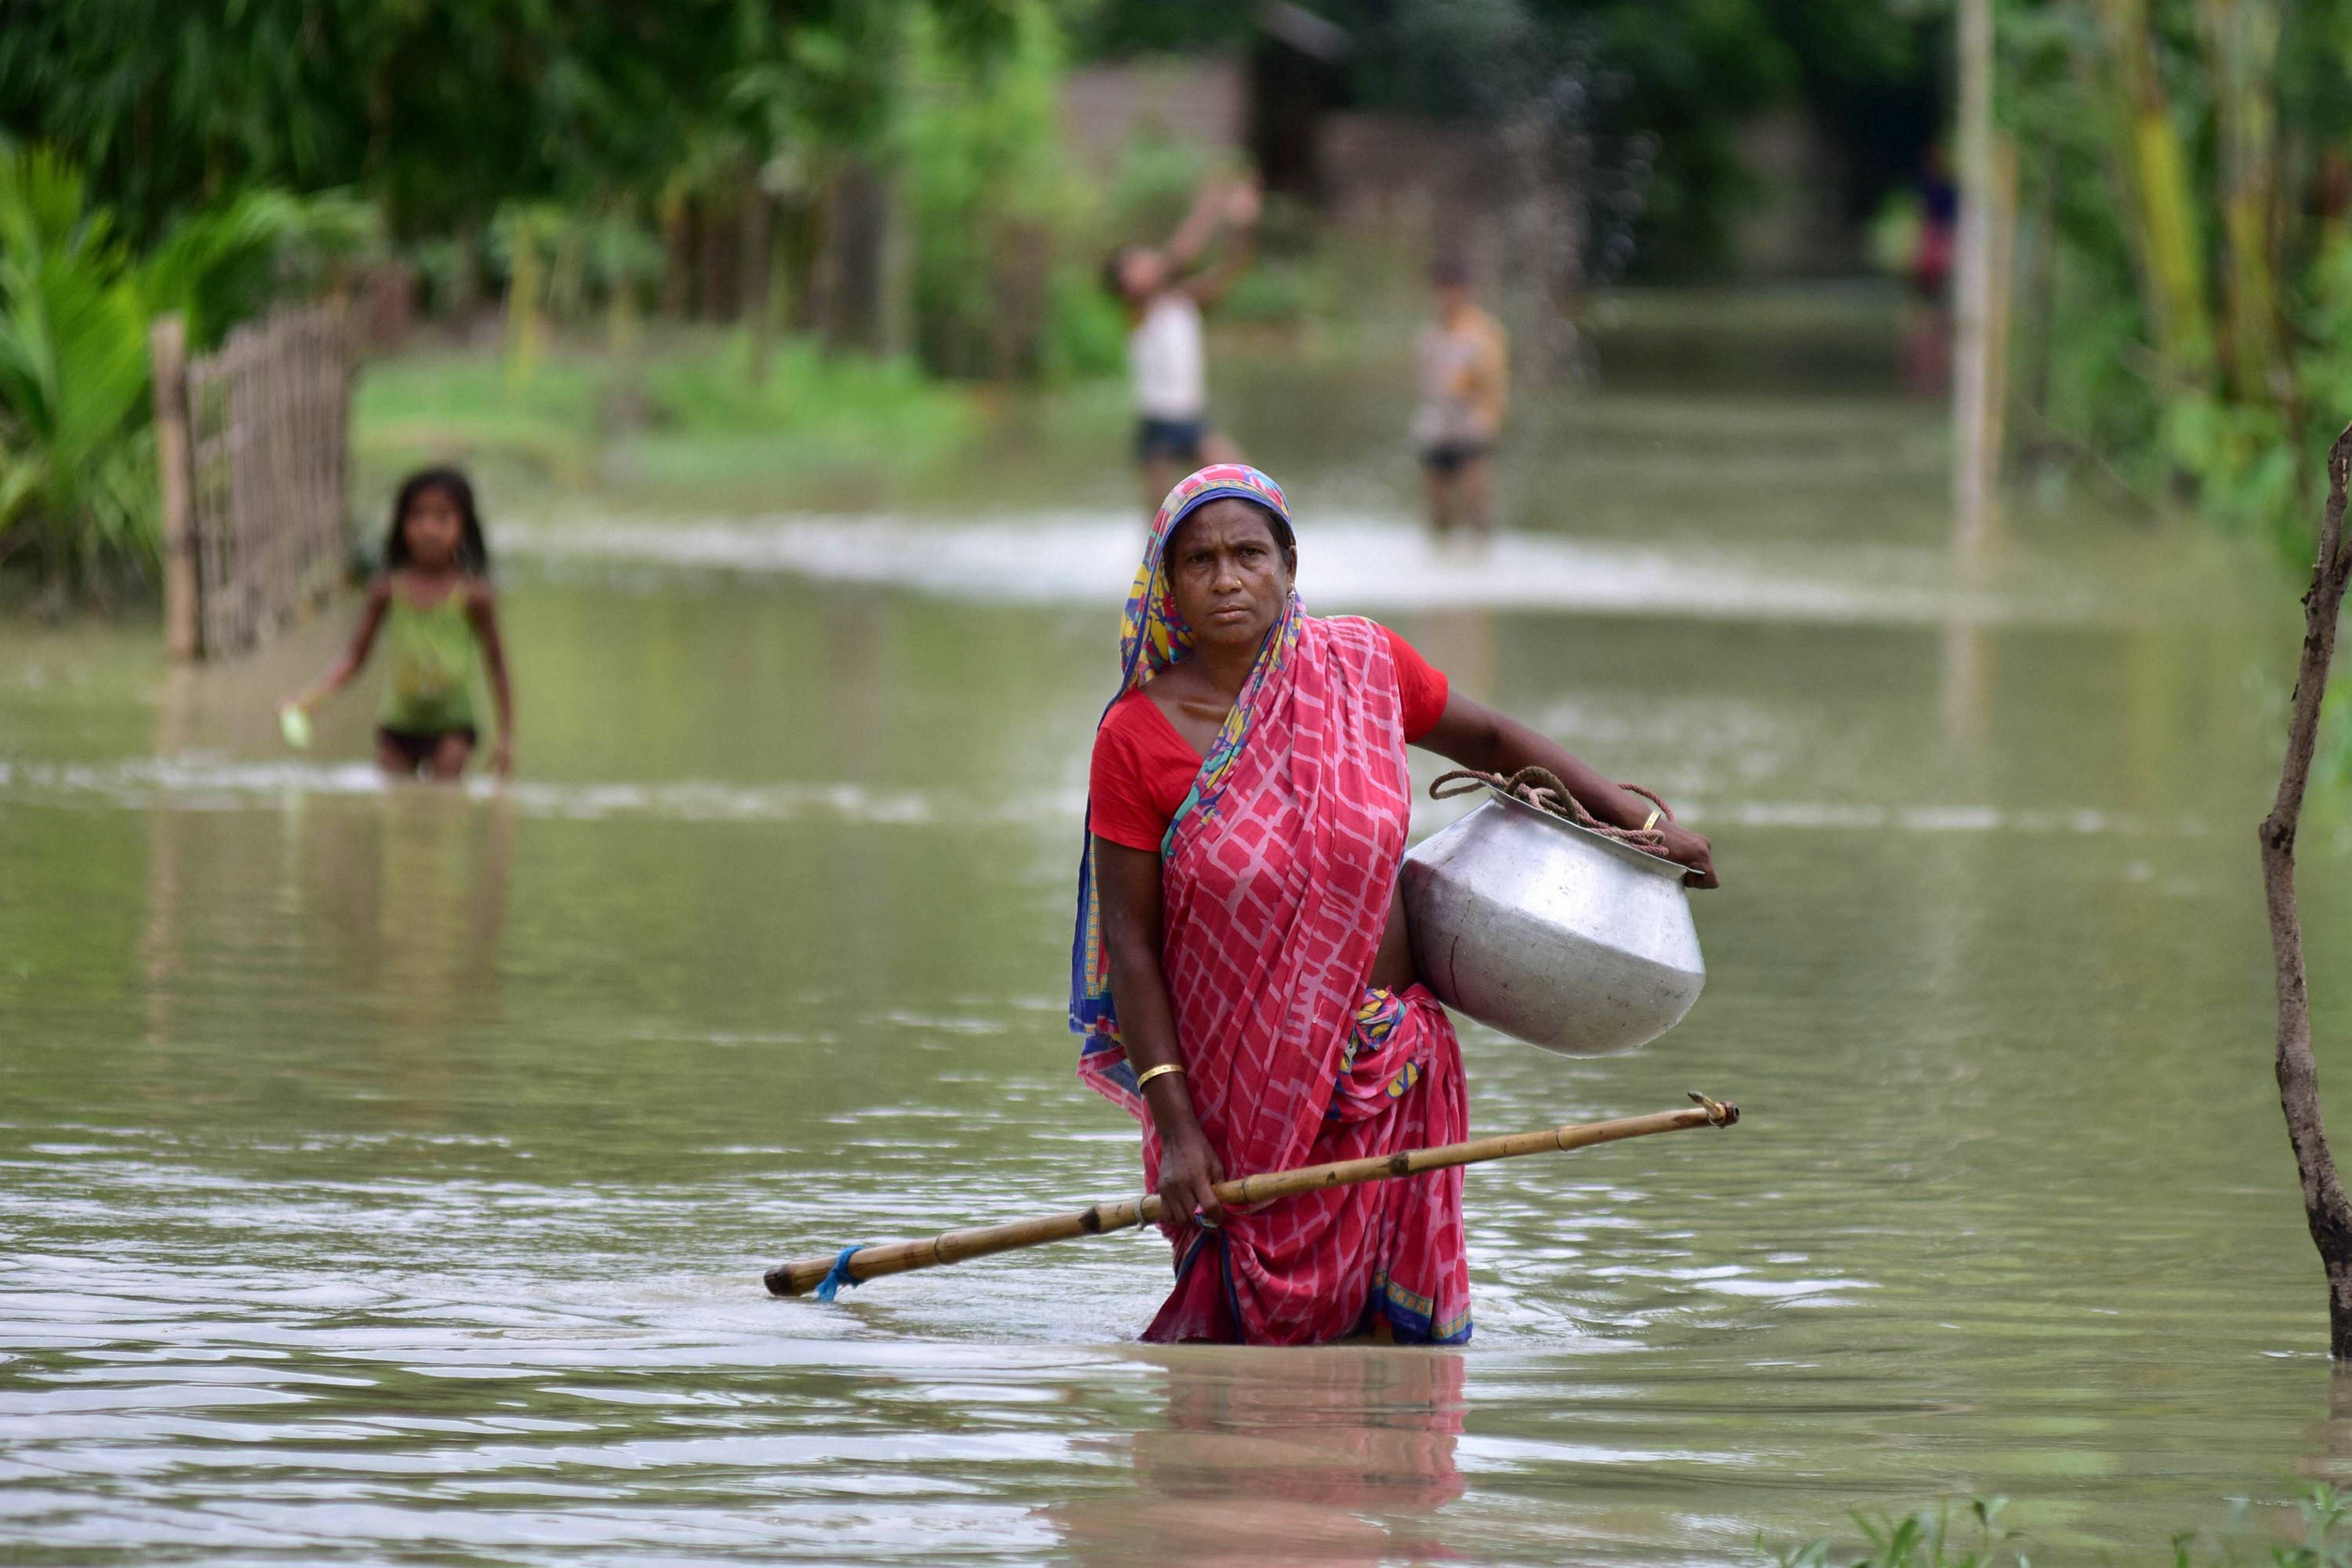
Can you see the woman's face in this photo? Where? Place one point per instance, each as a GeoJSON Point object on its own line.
{"type": "Point", "coordinates": [1226, 572]}
{"type": "Point", "coordinates": [433, 527]}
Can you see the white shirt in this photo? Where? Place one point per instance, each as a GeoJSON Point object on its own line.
{"type": "Point", "coordinates": [1163, 352]}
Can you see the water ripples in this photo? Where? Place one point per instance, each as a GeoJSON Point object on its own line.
{"type": "Point", "coordinates": [196, 782]}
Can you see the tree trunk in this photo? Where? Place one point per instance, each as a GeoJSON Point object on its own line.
{"type": "Point", "coordinates": [894, 265]}
{"type": "Point", "coordinates": [855, 261]}
{"type": "Point", "coordinates": [677, 251]}
{"type": "Point", "coordinates": [1980, 316]}
{"type": "Point", "coordinates": [2164, 230]}
{"type": "Point", "coordinates": [2324, 1206]}
{"type": "Point", "coordinates": [755, 286]}
{"type": "Point", "coordinates": [717, 258]}
{"type": "Point", "coordinates": [2241, 43]}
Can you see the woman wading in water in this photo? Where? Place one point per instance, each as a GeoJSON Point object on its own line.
{"type": "Point", "coordinates": [1241, 972]}
{"type": "Point", "coordinates": [432, 604]}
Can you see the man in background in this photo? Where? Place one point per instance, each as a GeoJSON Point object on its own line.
{"type": "Point", "coordinates": [1464, 382]}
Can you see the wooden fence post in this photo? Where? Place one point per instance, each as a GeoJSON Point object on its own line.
{"type": "Point", "coordinates": [167, 352]}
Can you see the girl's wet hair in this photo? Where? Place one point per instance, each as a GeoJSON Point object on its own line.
{"type": "Point", "coordinates": [472, 551]}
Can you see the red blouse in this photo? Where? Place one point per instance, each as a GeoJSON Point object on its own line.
{"type": "Point", "coordinates": [1143, 769]}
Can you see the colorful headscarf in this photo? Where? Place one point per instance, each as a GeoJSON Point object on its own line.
{"type": "Point", "coordinates": [1152, 636]}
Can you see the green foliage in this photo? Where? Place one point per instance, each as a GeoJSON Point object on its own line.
{"type": "Point", "coordinates": [1086, 334]}
{"type": "Point", "coordinates": [2327, 1532]}
{"type": "Point", "coordinates": [2091, 367]}
{"type": "Point", "coordinates": [992, 196]}
{"type": "Point", "coordinates": [78, 492]}
{"type": "Point", "coordinates": [1152, 187]}
{"type": "Point", "coordinates": [1925, 1540]}
{"type": "Point", "coordinates": [220, 266]}
{"type": "Point", "coordinates": [76, 466]}
{"type": "Point", "coordinates": [685, 416]}
{"type": "Point", "coordinates": [442, 109]}
{"type": "Point", "coordinates": [1922, 1539]}
{"type": "Point", "coordinates": [1269, 294]}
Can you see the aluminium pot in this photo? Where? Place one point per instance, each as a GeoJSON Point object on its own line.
{"type": "Point", "coordinates": [1549, 932]}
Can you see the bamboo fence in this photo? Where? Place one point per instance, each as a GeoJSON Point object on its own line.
{"type": "Point", "coordinates": [253, 440]}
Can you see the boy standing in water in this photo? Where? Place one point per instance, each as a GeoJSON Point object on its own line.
{"type": "Point", "coordinates": [1163, 296]}
{"type": "Point", "coordinates": [1465, 381]}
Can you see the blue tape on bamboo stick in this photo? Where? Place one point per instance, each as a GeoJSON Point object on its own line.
{"type": "Point", "coordinates": [830, 1285]}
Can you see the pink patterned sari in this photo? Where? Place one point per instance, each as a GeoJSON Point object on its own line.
{"type": "Point", "coordinates": [1277, 878]}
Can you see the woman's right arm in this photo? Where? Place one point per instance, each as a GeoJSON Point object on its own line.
{"type": "Point", "coordinates": [372, 618]}
{"type": "Point", "coordinates": [1129, 882]}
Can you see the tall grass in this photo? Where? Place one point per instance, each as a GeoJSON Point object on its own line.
{"type": "Point", "coordinates": [1921, 1540]}
{"type": "Point", "coordinates": [683, 420]}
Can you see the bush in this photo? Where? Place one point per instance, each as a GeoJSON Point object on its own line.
{"type": "Point", "coordinates": [994, 201]}
{"type": "Point", "coordinates": [223, 264]}
{"type": "Point", "coordinates": [77, 467]}
{"type": "Point", "coordinates": [78, 492]}
{"type": "Point", "coordinates": [1922, 1539]}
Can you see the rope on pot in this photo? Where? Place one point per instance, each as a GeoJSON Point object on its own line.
{"type": "Point", "coordinates": [1541, 788]}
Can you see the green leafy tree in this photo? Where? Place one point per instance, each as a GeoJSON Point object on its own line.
{"type": "Point", "coordinates": [443, 110]}
{"type": "Point", "coordinates": [76, 472]}
{"type": "Point", "coordinates": [2187, 309]}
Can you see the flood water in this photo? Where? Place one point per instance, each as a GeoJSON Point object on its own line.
{"type": "Point", "coordinates": [387, 1175]}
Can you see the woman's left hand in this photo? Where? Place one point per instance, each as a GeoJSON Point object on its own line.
{"type": "Point", "coordinates": [1685, 848]}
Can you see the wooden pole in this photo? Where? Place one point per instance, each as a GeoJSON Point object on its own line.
{"type": "Point", "coordinates": [804, 1275]}
{"type": "Point", "coordinates": [167, 355]}
{"type": "Point", "coordinates": [2326, 1209]}
{"type": "Point", "coordinates": [1976, 458]}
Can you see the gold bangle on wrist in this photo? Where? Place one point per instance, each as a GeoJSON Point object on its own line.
{"type": "Point", "coordinates": [1655, 813]}
{"type": "Point", "coordinates": [1150, 1073]}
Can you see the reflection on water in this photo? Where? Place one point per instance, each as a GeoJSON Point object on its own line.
{"type": "Point", "coordinates": [388, 1172]}
{"type": "Point", "coordinates": [1331, 1457]}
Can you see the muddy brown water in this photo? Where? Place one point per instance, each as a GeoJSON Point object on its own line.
{"type": "Point", "coordinates": [387, 1175]}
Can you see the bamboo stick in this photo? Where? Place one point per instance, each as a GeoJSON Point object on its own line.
{"type": "Point", "coordinates": [801, 1275]}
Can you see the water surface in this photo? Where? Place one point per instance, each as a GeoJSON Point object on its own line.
{"type": "Point", "coordinates": [387, 1175]}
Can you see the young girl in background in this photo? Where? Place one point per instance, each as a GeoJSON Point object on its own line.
{"type": "Point", "coordinates": [432, 601]}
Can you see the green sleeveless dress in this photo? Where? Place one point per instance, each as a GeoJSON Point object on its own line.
{"type": "Point", "coordinates": [433, 655]}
